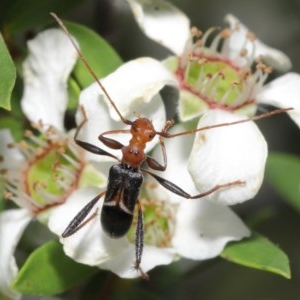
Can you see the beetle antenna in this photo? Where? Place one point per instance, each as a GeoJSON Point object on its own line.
{"type": "Point", "coordinates": [255, 118]}
{"type": "Point", "coordinates": [83, 59]}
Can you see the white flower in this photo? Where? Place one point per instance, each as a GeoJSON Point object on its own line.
{"type": "Point", "coordinates": [134, 95]}
{"type": "Point", "coordinates": [174, 227]}
{"type": "Point", "coordinates": [30, 167]}
{"type": "Point", "coordinates": [196, 229]}
{"type": "Point", "coordinates": [12, 224]}
{"type": "Point", "coordinates": [45, 72]}
{"type": "Point", "coordinates": [203, 226]}
{"type": "Point", "coordinates": [41, 172]}
{"type": "Point", "coordinates": [134, 89]}
{"type": "Point", "coordinates": [216, 81]}
{"type": "Point", "coordinates": [91, 245]}
{"type": "Point", "coordinates": [174, 223]}
{"type": "Point", "coordinates": [39, 175]}
{"type": "Point", "coordinates": [229, 84]}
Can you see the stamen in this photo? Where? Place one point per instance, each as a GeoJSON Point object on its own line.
{"type": "Point", "coordinates": [11, 145]}
{"type": "Point", "coordinates": [195, 32]}
{"type": "Point", "coordinates": [210, 81]}
{"type": "Point", "coordinates": [7, 195]}
{"type": "Point", "coordinates": [72, 161]}
{"type": "Point", "coordinates": [250, 38]}
{"type": "Point", "coordinates": [67, 173]}
{"type": "Point", "coordinates": [40, 189]}
{"type": "Point", "coordinates": [63, 184]}
{"type": "Point", "coordinates": [207, 34]}
{"type": "Point", "coordinates": [29, 134]}
{"type": "Point", "coordinates": [201, 74]}
{"type": "Point", "coordinates": [244, 52]}
{"type": "Point", "coordinates": [194, 46]}
{"type": "Point", "coordinates": [262, 76]}
{"type": "Point", "coordinates": [215, 82]}
{"type": "Point", "coordinates": [217, 40]}
{"type": "Point", "coordinates": [188, 67]}
{"type": "Point", "coordinates": [3, 172]}
{"type": "Point", "coordinates": [226, 95]}
{"type": "Point", "coordinates": [26, 149]}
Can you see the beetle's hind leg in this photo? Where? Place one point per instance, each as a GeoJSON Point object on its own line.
{"type": "Point", "coordinates": [139, 242]}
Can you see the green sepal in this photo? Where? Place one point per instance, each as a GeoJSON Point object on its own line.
{"type": "Point", "coordinates": [171, 63]}
{"type": "Point", "coordinates": [248, 110]}
{"type": "Point", "coordinates": [190, 106]}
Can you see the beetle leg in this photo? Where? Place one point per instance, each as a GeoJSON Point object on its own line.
{"type": "Point", "coordinates": [77, 222]}
{"type": "Point", "coordinates": [178, 191]}
{"type": "Point", "coordinates": [153, 163]}
{"type": "Point", "coordinates": [111, 143]}
{"type": "Point", "coordinates": [87, 146]}
{"type": "Point", "coordinates": [139, 242]}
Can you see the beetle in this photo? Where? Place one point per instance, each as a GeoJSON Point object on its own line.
{"type": "Point", "coordinates": [125, 178]}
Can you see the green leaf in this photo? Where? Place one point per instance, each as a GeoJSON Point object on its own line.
{"type": "Point", "coordinates": [100, 55]}
{"type": "Point", "coordinates": [283, 172]}
{"type": "Point", "coordinates": [49, 271]}
{"type": "Point", "coordinates": [14, 125]}
{"type": "Point", "coordinates": [259, 253]}
{"type": "Point", "coordinates": [7, 75]}
{"type": "Point", "coordinates": [21, 15]}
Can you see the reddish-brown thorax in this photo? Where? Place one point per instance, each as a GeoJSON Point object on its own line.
{"type": "Point", "coordinates": [142, 132]}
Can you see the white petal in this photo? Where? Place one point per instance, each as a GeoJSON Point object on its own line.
{"type": "Point", "coordinates": [123, 263]}
{"type": "Point", "coordinates": [46, 69]}
{"type": "Point", "coordinates": [89, 245]}
{"type": "Point", "coordinates": [204, 228]}
{"type": "Point", "coordinates": [273, 57]}
{"type": "Point", "coordinates": [227, 154]}
{"type": "Point", "coordinates": [12, 224]}
{"type": "Point", "coordinates": [283, 92]}
{"type": "Point", "coordinates": [12, 157]}
{"type": "Point", "coordinates": [178, 150]}
{"type": "Point", "coordinates": [135, 83]}
{"type": "Point", "coordinates": [134, 88]}
{"type": "Point", "coordinates": [99, 121]}
{"type": "Point", "coordinates": [162, 22]}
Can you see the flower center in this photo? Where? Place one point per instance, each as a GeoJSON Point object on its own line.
{"type": "Point", "coordinates": [211, 75]}
{"type": "Point", "coordinates": [52, 172]}
{"type": "Point", "coordinates": [53, 166]}
{"type": "Point", "coordinates": [159, 222]}
{"type": "Point", "coordinates": [214, 81]}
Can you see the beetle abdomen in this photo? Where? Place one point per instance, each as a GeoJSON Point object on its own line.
{"type": "Point", "coordinates": [123, 189]}
{"type": "Point", "coordinates": [115, 222]}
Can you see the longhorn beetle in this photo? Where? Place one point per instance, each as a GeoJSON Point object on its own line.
{"type": "Point", "coordinates": [125, 178]}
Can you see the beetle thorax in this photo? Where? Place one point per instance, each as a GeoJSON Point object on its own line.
{"type": "Point", "coordinates": [142, 132]}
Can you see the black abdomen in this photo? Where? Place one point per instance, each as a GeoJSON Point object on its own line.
{"type": "Point", "coordinates": [124, 183]}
